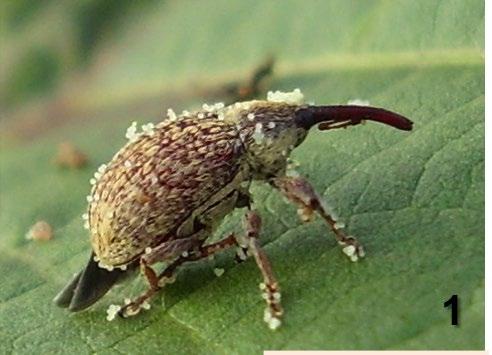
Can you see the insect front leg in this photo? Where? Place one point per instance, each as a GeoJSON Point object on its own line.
{"type": "Point", "coordinates": [269, 286]}
{"type": "Point", "coordinates": [300, 191]}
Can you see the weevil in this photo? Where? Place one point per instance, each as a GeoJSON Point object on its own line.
{"type": "Point", "coordinates": [164, 193]}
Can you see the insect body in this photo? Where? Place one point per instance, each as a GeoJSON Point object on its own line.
{"type": "Point", "coordinates": [162, 195]}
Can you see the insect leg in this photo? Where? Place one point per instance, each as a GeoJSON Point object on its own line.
{"type": "Point", "coordinates": [300, 191]}
{"type": "Point", "coordinates": [167, 276]}
{"type": "Point", "coordinates": [164, 252]}
{"type": "Point", "coordinates": [269, 286]}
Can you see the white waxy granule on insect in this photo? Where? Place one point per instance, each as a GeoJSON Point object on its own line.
{"type": "Point", "coordinates": [110, 214]}
{"type": "Point", "coordinates": [148, 128]}
{"type": "Point", "coordinates": [184, 254]}
{"type": "Point", "coordinates": [241, 254]}
{"type": "Point", "coordinates": [154, 179]}
{"type": "Point", "coordinates": [92, 181]}
{"type": "Point", "coordinates": [293, 97]}
{"type": "Point", "coordinates": [218, 271]}
{"type": "Point", "coordinates": [354, 258]}
{"type": "Point", "coordinates": [131, 132]}
{"type": "Point", "coordinates": [339, 225]}
{"type": "Point", "coordinates": [271, 125]}
{"type": "Point", "coordinates": [358, 102]}
{"type": "Point", "coordinates": [127, 164]}
{"type": "Point", "coordinates": [112, 311]}
{"type": "Point", "coordinates": [96, 258]}
{"type": "Point", "coordinates": [148, 250]}
{"type": "Point", "coordinates": [85, 216]}
{"type": "Point", "coordinates": [102, 168]}
{"type": "Point", "coordinates": [274, 323]}
{"type": "Point", "coordinates": [277, 296]}
{"type": "Point", "coordinates": [258, 135]}
{"type": "Point", "coordinates": [349, 250]}
{"type": "Point", "coordinates": [96, 197]}
{"type": "Point", "coordinates": [201, 115]}
{"type": "Point", "coordinates": [251, 116]}
{"type": "Point", "coordinates": [185, 113]}
{"type": "Point", "coordinates": [104, 266]}
{"type": "Point", "coordinates": [171, 114]}
{"type": "Point", "coordinates": [220, 116]}
{"type": "Point", "coordinates": [127, 301]}
{"type": "Point", "coordinates": [86, 225]}
{"type": "Point", "coordinates": [145, 305]}
{"type": "Point", "coordinates": [267, 315]}
{"type": "Point", "coordinates": [362, 253]}
{"type": "Point", "coordinates": [262, 286]}
{"type": "Point", "coordinates": [123, 267]}
{"type": "Point", "coordinates": [97, 175]}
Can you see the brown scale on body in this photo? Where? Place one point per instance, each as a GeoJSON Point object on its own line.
{"type": "Point", "coordinates": [163, 194]}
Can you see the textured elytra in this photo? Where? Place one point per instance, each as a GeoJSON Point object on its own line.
{"type": "Point", "coordinates": [162, 176]}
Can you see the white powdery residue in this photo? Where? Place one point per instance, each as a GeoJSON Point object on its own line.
{"type": "Point", "coordinates": [97, 175]}
{"type": "Point", "coordinates": [127, 164]}
{"type": "Point", "coordinates": [171, 115]}
{"type": "Point", "coordinates": [92, 181]}
{"type": "Point", "coordinates": [295, 97]}
{"type": "Point", "coordinates": [131, 132]}
{"type": "Point", "coordinates": [258, 135]}
{"type": "Point", "coordinates": [148, 250]}
{"type": "Point", "coordinates": [241, 254]}
{"type": "Point", "coordinates": [339, 225]}
{"type": "Point", "coordinates": [185, 113]}
{"type": "Point", "coordinates": [349, 250]}
{"type": "Point", "coordinates": [104, 266]}
{"type": "Point", "coordinates": [358, 102]}
{"type": "Point", "coordinates": [89, 198]}
{"type": "Point", "coordinates": [123, 267]}
{"type": "Point", "coordinates": [271, 125]}
{"type": "Point", "coordinates": [220, 116]}
{"type": "Point", "coordinates": [112, 311]}
{"type": "Point", "coordinates": [145, 305]}
{"type": "Point", "coordinates": [218, 271]}
{"type": "Point", "coordinates": [251, 116]}
{"type": "Point", "coordinates": [154, 179]}
{"type": "Point", "coordinates": [201, 115]}
{"type": "Point", "coordinates": [148, 128]}
{"type": "Point", "coordinates": [102, 168]}
{"type": "Point", "coordinates": [184, 254]}
{"type": "Point", "coordinates": [274, 323]}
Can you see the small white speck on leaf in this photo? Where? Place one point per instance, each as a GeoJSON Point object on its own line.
{"type": "Point", "coordinates": [218, 271]}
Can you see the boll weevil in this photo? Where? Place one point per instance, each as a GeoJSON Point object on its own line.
{"type": "Point", "coordinates": [163, 194]}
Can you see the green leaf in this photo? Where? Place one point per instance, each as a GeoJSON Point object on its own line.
{"type": "Point", "coordinates": [415, 200]}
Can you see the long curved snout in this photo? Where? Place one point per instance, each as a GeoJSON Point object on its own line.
{"type": "Point", "coordinates": [330, 117]}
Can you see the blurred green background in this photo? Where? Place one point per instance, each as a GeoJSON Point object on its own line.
{"type": "Point", "coordinates": [81, 71]}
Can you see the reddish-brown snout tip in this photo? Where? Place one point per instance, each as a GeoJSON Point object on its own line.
{"type": "Point", "coordinates": [330, 117]}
